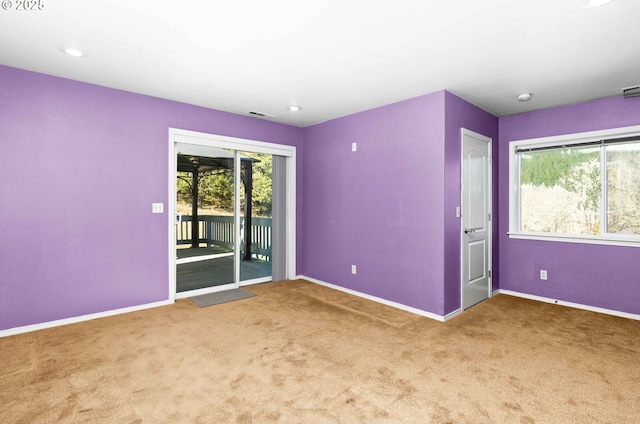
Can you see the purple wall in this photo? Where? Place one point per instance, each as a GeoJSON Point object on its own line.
{"type": "Point", "coordinates": [389, 208]}
{"type": "Point", "coordinates": [379, 208]}
{"type": "Point", "coordinates": [461, 114]}
{"type": "Point", "coordinates": [81, 165]}
{"type": "Point", "coordinates": [600, 276]}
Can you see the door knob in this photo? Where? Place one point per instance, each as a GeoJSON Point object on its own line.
{"type": "Point", "coordinates": [468, 231]}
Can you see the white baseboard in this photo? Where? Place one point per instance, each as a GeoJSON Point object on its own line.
{"type": "Point", "coordinates": [452, 314]}
{"type": "Point", "coordinates": [73, 320]}
{"type": "Point", "coordinates": [571, 304]}
{"type": "Point", "coordinates": [383, 301]}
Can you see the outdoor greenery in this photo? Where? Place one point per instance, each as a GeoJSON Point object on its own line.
{"type": "Point", "coordinates": [623, 180]}
{"type": "Point", "coordinates": [215, 189]}
{"type": "Point", "coordinates": [561, 190]}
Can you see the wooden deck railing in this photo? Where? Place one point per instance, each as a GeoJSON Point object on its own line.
{"type": "Point", "coordinates": [218, 230]}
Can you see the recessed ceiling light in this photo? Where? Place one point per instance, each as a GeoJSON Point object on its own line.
{"type": "Point", "coordinates": [524, 97]}
{"type": "Point", "coordinates": [294, 108]}
{"type": "Point", "coordinates": [73, 52]}
{"type": "Point", "coordinates": [588, 4]}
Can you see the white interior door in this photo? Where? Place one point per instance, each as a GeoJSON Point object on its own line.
{"type": "Point", "coordinates": [476, 218]}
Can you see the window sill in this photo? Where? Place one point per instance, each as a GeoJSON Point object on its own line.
{"type": "Point", "coordinates": [610, 240]}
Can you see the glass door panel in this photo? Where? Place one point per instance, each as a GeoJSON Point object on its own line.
{"type": "Point", "coordinates": [205, 222]}
{"type": "Point", "coordinates": [256, 217]}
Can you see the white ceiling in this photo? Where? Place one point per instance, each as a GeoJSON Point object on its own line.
{"type": "Point", "coordinates": [333, 57]}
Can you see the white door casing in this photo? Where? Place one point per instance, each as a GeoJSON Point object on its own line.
{"type": "Point", "coordinates": [476, 218]}
{"type": "Point", "coordinates": [208, 141]}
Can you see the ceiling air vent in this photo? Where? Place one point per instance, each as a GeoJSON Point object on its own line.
{"type": "Point", "coordinates": [631, 92]}
{"type": "Point", "coordinates": [260, 114]}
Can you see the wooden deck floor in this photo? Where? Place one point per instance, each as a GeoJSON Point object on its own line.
{"type": "Point", "coordinates": [214, 272]}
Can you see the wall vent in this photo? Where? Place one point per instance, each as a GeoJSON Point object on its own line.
{"type": "Point", "coordinates": [260, 114]}
{"type": "Point", "coordinates": [631, 92]}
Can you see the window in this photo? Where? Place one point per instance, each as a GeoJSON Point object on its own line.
{"type": "Point", "coordinates": [582, 187]}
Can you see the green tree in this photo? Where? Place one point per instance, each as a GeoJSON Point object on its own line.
{"type": "Point", "coordinates": [215, 189]}
{"type": "Point", "coordinates": [576, 170]}
{"type": "Point", "coordinates": [262, 184]}
{"type": "Point", "coordinates": [623, 184]}
{"type": "Point", "coordinates": [551, 167]}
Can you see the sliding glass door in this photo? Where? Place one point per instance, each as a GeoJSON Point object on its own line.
{"type": "Point", "coordinates": [224, 217]}
{"type": "Point", "coordinates": [234, 206]}
{"type": "Point", "coordinates": [205, 217]}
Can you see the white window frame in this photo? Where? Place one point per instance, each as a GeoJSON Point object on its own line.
{"type": "Point", "coordinates": [564, 140]}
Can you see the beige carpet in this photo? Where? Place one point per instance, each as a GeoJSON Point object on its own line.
{"type": "Point", "coordinates": [302, 353]}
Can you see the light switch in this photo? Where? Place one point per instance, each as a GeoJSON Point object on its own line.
{"type": "Point", "coordinates": [157, 207]}
{"type": "Point", "coordinates": [354, 146]}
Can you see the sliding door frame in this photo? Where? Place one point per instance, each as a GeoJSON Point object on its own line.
{"type": "Point", "coordinates": [238, 144]}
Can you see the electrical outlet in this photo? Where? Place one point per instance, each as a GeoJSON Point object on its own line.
{"type": "Point", "coordinates": [353, 269]}
{"type": "Point", "coordinates": [543, 274]}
